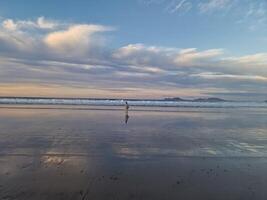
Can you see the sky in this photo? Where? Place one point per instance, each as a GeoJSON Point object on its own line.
{"type": "Point", "coordinates": [134, 49]}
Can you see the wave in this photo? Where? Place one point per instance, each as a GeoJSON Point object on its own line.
{"type": "Point", "coordinates": [116, 102]}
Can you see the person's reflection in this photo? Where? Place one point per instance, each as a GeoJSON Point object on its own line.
{"type": "Point", "coordinates": [126, 118]}
{"type": "Point", "coordinates": [126, 112]}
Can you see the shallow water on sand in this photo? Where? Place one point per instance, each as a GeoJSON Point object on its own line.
{"type": "Point", "coordinates": [68, 152]}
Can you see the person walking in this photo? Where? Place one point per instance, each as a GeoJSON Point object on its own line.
{"type": "Point", "coordinates": [126, 112]}
{"type": "Point", "coordinates": [127, 106]}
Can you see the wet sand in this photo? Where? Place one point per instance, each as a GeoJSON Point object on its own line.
{"type": "Point", "coordinates": [161, 153]}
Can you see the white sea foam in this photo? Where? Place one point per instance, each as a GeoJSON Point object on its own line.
{"type": "Point", "coordinates": [57, 101]}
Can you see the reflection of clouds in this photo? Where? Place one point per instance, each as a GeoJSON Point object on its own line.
{"type": "Point", "coordinates": [71, 162]}
{"type": "Point", "coordinates": [137, 152]}
{"type": "Point", "coordinates": [223, 148]}
{"type": "Point", "coordinates": [53, 160]}
{"type": "Point", "coordinates": [15, 166]}
{"type": "Point", "coordinates": [210, 151]}
{"type": "Point", "coordinates": [243, 146]}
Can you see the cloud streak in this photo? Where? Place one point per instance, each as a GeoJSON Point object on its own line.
{"type": "Point", "coordinates": [251, 13]}
{"type": "Point", "coordinates": [214, 5]}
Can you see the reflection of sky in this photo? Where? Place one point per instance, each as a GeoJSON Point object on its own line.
{"type": "Point", "coordinates": [63, 152]}
{"type": "Point", "coordinates": [103, 133]}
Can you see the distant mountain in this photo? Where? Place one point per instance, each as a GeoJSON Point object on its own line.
{"type": "Point", "coordinates": [175, 99]}
{"type": "Point", "coordinates": [211, 99]}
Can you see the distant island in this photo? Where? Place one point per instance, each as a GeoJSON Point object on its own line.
{"type": "Point", "coordinates": [211, 99]}
{"type": "Point", "coordinates": [174, 99]}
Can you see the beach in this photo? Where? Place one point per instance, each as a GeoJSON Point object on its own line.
{"type": "Point", "coordinates": [97, 152]}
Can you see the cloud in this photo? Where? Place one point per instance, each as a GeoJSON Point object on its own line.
{"type": "Point", "coordinates": [46, 24]}
{"type": "Point", "coordinates": [210, 75]}
{"type": "Point", "coordinates": [253, 64]}
{"type": "Point", "coordinates": [251, 14]}
{"type": "Point", "coordinates": [68, 57]}
{"type": "Point", "coordinates": [76, 40]}
{"type": "Point", "coordinates": [12, 42]}
{"type": "Point", "coordinates": [184, 6]}
{"type": "Point", "coordinates": [189, 68]}
{"type": "Point", "coordinates": [139, 54]}
{"type": "Point", "coordinates": [9, 25]}
{"type": "Point", "coordinates": [181, 6]}
{"type": "Point", "coordinates": [259, 59]}
{"type": "Point", "coordinates": [192, 57]}
{"type": "Point", "coordinates": [214, 5]}
{"type": "Point", "coordinates": [54, 40]}
{"type": "Point", "coordinates": [24, 36]}
{"type": "Point", "coordinates": [40, 23]}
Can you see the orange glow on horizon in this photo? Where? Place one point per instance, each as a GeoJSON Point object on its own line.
{"type": "Point", "coordinates": [35, 90]}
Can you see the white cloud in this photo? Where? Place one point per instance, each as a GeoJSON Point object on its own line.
{"type": "Point", "coordinates": [51, 39]}
{"type": "Point", "coordinates": [211, 75]}
{"type": "Point", "coordinates": [213, 5]}
{"type": "Point", "coordinates": [9, 25]}
{"type": "Point", "coordinates": [183, 6]}
{"type": "Point", "coordinates": [46, 24]}
{"type": "Point", "coordinates": [131, 74]}
{"type": "Point", "coordinates": [77, 39]}
{"type": "Point", "coordinates": [165, 57]}
{"type": "Point", "coordinates": [141, 56]}
{"type": "Point", "coordinates": [179, 6]}
{"type": "Point", "coordinates": [190, 57]}
{"type": "Point", "coordinates": [39, 23]}
{"type": "Point", "coordinates": [259, 59]}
